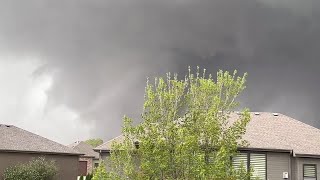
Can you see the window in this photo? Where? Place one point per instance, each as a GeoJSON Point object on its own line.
{"type": "Point", "coordinates": [258, 164]}
{"type": "Point", "coordinates": [309, 172]}
{"type": "Point", "coordinates": [255, 161]}
{"type": "Point", "coordinates": [240, 160]}
{"type": "Point", "coordinates": [96, 165]}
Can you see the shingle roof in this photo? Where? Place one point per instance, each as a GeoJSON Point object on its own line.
{"type": "Point", "coordinates": [107, 145]}
{"type": "Point", "coordinates": [267, 131]}
{"type": "Point", "coordinates": [13, 139]}
{"type": "Point", "coordinates": [85, 149]}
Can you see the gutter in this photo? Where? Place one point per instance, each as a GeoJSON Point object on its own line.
{"type": "Point", "coordinates": [101, 150]}
{"type": "Point", "coordinates": [290, 164]}
{"type": "Point", "coordinates": [266, 150]}
{"type": "Point", "coordinates": [317, 156]}
{"type": "Point", "coordinates": [41, 152]}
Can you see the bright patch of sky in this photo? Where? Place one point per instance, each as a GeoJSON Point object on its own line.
{"type": "Point", "coordinates": [24, 103]}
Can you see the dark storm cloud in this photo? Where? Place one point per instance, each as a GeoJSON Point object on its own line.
{"type": "Point", "coordinates": [101, 51]}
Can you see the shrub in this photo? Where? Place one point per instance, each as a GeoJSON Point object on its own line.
{"type": "Point", "coordinates": [89, 176]}
{"type": "Point", "coordinates": [37, 169]}
{"type": "Point", "coordinates": [100, 173]}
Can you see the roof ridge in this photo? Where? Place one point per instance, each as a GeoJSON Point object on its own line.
{"type": "Point", "coordinates": [22, 132]}
{"type": "Point", "coordinates": [41, 137]}
{"type": "Point", "coordinates": [100, 146]}
{"type": "Point", "coordinates": [112, 139]}
{"type": "Point", "coordinates": [115, 137]}
{"type": "Point", "coordinates": [300, 122]}
{"type": "Point", "coordinates": [85, 149]}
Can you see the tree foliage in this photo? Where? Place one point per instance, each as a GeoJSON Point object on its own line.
{"type": "Point", "coordinates": [100, 173]}
{"type": "Point", "coordinates": [37, 169]}
{"type": "Point", "coordinates": [188, 130]}
{"type": "Point", "coordinates": [89, 176]}
{"type": "Point", "coordinates": [94, 142]}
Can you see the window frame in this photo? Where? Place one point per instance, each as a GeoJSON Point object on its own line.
{"type": "Point", "coordinates": [316, 172]}
{"type": "Point", "coordinates": [248, 153]}
{"type": "Point", "coordinates": [266, 164]}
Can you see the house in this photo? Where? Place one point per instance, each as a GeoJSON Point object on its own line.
{"type": "Point", "coordinates": [105, 148]}
{"type": "Point", "coordinates": [20, 146]}
{"type": "Point", "coordinates": [280, 147]}
{"type": "Point", "coordinates": [89, 160]}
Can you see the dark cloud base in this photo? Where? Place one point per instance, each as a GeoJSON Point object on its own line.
{"type": "Point", "coordinates": [100, 52]}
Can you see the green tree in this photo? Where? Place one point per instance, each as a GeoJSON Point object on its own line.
{"type": "Point", "coordinates": [188, 130]}
{"type": "Point", "coordinates": [100, 173]}
{"type": "Point", "coordinates": [89, 176]}
{"type": "Point", "coordinates": [94, 142]}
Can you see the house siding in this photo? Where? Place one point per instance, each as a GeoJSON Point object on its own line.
{"type": "Point", "coordinates": [298, 167]}
{"type": "Point", "coordinates": [277, 163]}
{"type": "Point", "coordinates": [67, 165]}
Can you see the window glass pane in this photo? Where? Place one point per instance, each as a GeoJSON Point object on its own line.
{"type": "Point", "coordinates": [309, 172]}
{"type": "Point", "coordinates": [96, 165]}
{"type": "Point", "coordinates": [258, 165]}
{"type": "Point", "coordinates": [241, 158]}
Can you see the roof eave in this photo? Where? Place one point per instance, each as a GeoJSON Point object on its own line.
{"type": "Point", "coordinates": [40, 152]}
{"type": "Point", "coordinates": [265, 150]}
{"type": "Point", "coordinates": [308, 155]}
{"type": "Point", "coordinates": [301, 155]}
{"type": "Point", "coordinates": [88, 156]}
{"type": "Point", "coordinates": [101, 150]}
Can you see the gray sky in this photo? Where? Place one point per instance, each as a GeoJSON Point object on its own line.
{"type": "Point", "coordinates": [69, 70]}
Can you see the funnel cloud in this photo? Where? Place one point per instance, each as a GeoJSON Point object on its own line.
{"type": "Point", "coordinates": [95, 56]}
